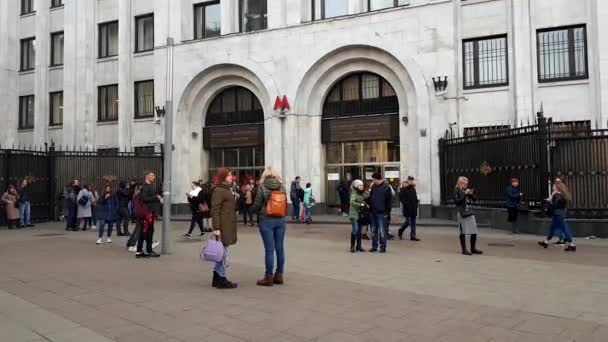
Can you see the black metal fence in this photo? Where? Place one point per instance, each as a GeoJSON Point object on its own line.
{"type": "Point", "coordinates": [534, 154]}
{"type": "Point", "coordinates": [51, 170]}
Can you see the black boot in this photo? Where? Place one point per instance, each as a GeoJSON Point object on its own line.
{"type": "Point", "coordinates": [463, 245]}
{"type": "Point", "coordinates": [224, 284]}
{"type": "Point", "coordinates": [352, 243]}
{"type": "Point", "coordinates": [359, 248]}
{"type": "Point", "coordinates": [216, 279]}
{"type": "Point", "coordinates": [474, 250]}
{"type": "Point", "coordinates": [402, 230]}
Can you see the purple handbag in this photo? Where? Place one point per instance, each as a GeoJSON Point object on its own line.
{"type": "Point", "coordinates": [213, 251]}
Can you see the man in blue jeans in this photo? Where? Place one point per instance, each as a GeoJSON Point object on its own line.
{"type": "Point", "coordinates": [25, 205]}
{"type": "Point", "coordinates": [380, 201]}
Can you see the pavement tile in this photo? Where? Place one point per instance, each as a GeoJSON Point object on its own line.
{"type": "Point", "coordinates": [76, 335]}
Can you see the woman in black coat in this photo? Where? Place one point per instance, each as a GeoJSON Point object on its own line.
{"type": "Point", "coordinates": [409, 206]}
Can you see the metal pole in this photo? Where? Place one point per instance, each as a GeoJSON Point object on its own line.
{"type": "Point", "coordinates": [166, 247]}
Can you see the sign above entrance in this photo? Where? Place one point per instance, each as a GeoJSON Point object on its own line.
{"type": "Point", "coordinates": [333, 176]}
{"type": "Point", "coordinates": [233, 136]}
{"type": "Point", "coordinates": [364, 128]}
{"type": "Point", "coordinates": [281, 104]}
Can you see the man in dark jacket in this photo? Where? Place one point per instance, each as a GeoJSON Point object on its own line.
{"type": "Point", "coordinates": [409, 205]}
{"type": "Point", "coordinates": [513, 197]}
{"type": "Point", "coordinates": [152, 200]}
{"type": "Point", "coordinates": [25, 196]}
{"type": "Point", "coordinates": [380, 202]}
{"type": "Point", "coordinates": [344, 194]}
{"type": "Point", "coordinates": [295, 195]}
{"type": "Point", "coordinates": [124, 196]}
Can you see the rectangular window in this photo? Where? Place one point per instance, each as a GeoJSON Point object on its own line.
{"type": "Point", "coordinates": [207, 20]}
{"type": "Point", "coordinates": [26, 112]}
{"type": "Point", "coordinates": [107, 151]}
{"type": "Point", "coordinates": [253, 15]}
{"type": "Point", "coordinates": [144, 150]}
{"type": "Point", "coordinates": [107, 103]}
{"type": "Point", "coordinates": [374, 5]}
{"type": "Point", "coordinates": [144, 99]}
{"type": "Point", "coordinates": [27, 7]}
{"type": "Point", "coordinates": [56, 3]}
{"type": "Point", "coordinates": [56, 48]}
{"type": "Point", "coordinates": [56, 107]}
{"type": "Point", "coordinates": [108, 39]}
{"type": "Point", "coordinates": [333, 8]}
{"type": "Point", "coordinates": [562, 54]}
{"type": "Point", "coordinates": [28, 54]}
{"type": "Point", "coordinates": [144, 33]}
{"type": "Point", "coordinates": [485, 62]}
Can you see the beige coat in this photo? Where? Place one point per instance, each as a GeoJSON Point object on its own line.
{"type": "Point", "coordinates": [9, 200]}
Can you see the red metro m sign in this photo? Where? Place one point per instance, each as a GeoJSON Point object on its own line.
{"type": "Point", "coordinates": [281, 104]}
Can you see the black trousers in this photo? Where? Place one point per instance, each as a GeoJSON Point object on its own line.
{"type": "Point", "coordinates": [123, 214]}
{"type": "Point", "coordinates": [513, 214]}
{"type": "Point", "coordinates": [148, 237]}
{"type": "Point", "coordinates": [196, 219]}
{"type": "Point", "coordinates": [247, 212]}
{"type": "Point", "coordinates": [134, 238]}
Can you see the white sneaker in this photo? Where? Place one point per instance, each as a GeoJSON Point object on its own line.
{"type": "Point", "coordinates": [109, 240]}
{"type": "Point", "coordinates": [132, 249]}
{"type": "Point", "coordinates": [93, 227]}
{"type": "Point", "coordinates": [155, 244]}
{"type": "Point", "coordinates": [99, 241]}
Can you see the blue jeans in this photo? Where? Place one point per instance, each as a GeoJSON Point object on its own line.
{"type": "Point", "coordinates": [102, 224]}
{"type": "Point", "coordinates": [71, 221]}
{"type": "Point", "coordinates": [559, 225]}
{"type": "Point", "coordinates": [296, 207]}
{"type": "Point", "coordinates": [356, 226]}
{"type": "Point", "coordinates": [272, 230]}
{"type": "Point", "coordinates": [307, 214]}
{"type": "Point", "coordinates": [25, 213]}
{"type": "Point", "coordinates": [379, 231]}
{"type": "Point", "coordinates": [220, 268]}
{"type": "Point", "coordinates": [412, 222]}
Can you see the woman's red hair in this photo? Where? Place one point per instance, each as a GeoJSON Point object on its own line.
{"type": "Point", "coordinates": [222, 174]}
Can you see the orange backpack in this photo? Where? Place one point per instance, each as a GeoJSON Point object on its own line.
{"type": "Point", "coordinates": [276, 206]}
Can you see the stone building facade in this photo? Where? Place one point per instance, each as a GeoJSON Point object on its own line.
{"type": "Point", "coordinates": [358, 76]}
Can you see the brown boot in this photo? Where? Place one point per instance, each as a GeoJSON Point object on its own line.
{"type": "Point", "coordinates": [267, 281]}
{"type": "Point", "coordinates": [278, 279]}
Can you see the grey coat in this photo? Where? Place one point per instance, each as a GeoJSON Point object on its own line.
{"type": "Point", "coordinates": [84, 211]}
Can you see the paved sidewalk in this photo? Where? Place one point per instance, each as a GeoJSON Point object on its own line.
{"type": "Point", "coordinates": [62, 287]}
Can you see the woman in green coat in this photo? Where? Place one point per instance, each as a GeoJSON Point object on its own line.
{"type": "Point", "coordinates": [356, 201]}
{"type": "Point", "coordinates": [223, 213]}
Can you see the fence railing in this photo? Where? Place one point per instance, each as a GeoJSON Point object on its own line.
{"type": "Point", "coordinates": [51, 170]}
{"type": "Point", "coordinates": [536, 155]}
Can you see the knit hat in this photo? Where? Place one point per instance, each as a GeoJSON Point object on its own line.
{"type": "Point", "coordinates": [357, 184]}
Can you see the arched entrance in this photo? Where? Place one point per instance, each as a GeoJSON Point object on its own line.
{"type": "Point", "coordinates": [234, 133]}
{"type": "Point", "coordinates": [360, 132]}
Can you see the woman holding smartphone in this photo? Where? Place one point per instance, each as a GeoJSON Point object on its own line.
{"type": "Point", "coordinates": [467, 224]}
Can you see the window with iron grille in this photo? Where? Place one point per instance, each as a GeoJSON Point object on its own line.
{"type": "Point", "coordinates": [144, 150]}
{"type": "Point", "coordinates": [57, 48]}
{"type": "Point", "coordinates": [28, 54]}
{"type": "Point", "coordinates": [27, 7]}
{"type": "Point", "coordinates": [108, 39]}
{"type": "Point", "coordinates": [144, 33]}
{"type": "Point", "coordinates": [207, 20]}
{"type": "Point", "coordinates": [485, 62]}
{"type": "Point", "coordinates": [562, 54]}
{"type": "Point", "coordinates": [56, 3]}
{"type": "Point", "coordinates": [144, 99]}
{"type": "Point", "coordinates": [107, 103]}
{"type": "Point", "coordinates": [107, 151]}
{"type": "Point", "coordinates": [469, 131]}
{"type": "Point", "coordinates": [56, 108]}
{"type": "Point", "coordinates": [360, 94]}
{"type": "Point", "coordinates": [374, 5]}
{"type": "Point", "coordinates": [26, 112]}
{"type": "Point", "coordinates": [253, 15]}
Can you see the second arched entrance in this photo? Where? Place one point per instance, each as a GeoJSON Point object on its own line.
{"type": "Point", "coordinates": [360, 132]}
{"type": "Point", "coordinates": [234, 133]}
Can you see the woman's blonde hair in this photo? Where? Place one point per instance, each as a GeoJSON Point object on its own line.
{"type": "Point", "coordinates": [563, 189]}
{"type": "Point", "coordinates": [461, 180]}
{"type": "Point", "coordinates": [270, 172]}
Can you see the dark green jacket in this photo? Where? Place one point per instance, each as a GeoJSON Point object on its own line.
{"type": "Point", "coordinates": [270, 184]}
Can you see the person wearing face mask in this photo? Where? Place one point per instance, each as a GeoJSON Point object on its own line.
{"type": "Point", "coordinates": [223, 215]}
{"type": "Point", "coordinates": [11, 203]}
{"type": "Point", "coordinates": [354, 214]}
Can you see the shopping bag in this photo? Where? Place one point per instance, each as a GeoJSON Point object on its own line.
{"type": "Point", "coordinates": [213, 251]}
